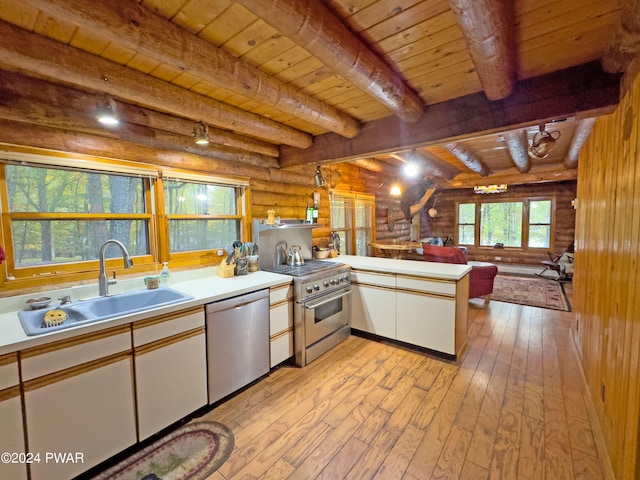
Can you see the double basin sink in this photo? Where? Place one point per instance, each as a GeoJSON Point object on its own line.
{"type": "Point", "coordinates": [92, 310]}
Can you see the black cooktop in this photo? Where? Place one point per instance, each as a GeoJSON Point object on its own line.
{"type": "Point", "coordinates": [309, 267]}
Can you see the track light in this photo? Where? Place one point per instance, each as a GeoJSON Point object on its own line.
{"type": "Point", "coordinates": [318, 178]}
{"type": "Point", "coordinates": [201, 133]}
{"type": "Point", "coordinates": [107, 112]}
{"type": "Point", "coordinates": [542, 143]}
{"type": "Point", "coordinates": [395, 190]}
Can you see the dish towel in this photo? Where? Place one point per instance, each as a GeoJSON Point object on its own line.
{"type": "Point", "coordinates": [3, 256]}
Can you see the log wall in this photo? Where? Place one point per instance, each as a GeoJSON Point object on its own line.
{"type": "Point", "coordinates": [607, 275]}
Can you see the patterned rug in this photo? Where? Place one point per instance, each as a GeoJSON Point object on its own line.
{"type": "Point", "coordinates": [192, 452]}
{"type": "Point", "coordinates": [533, 291]}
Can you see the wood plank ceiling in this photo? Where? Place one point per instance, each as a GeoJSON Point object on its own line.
{"type": "Point", "coordinates": [459, 85]}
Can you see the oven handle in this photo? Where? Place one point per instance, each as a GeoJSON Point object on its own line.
{"type": "Point", "coordinates": [312, 305]}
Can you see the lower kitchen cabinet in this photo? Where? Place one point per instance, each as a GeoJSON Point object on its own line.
{"type": "Point", "coordinates": [373, 303]}
{"type": "Point", "coordinates": [85, 412]}
{"type": "Point", "coordinates": [12, 436]}
{"type": "Point", "coordinates": [170, 369]}
{"type": "Point", "coordinates": [281, 323]}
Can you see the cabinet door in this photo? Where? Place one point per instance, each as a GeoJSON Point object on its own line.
{"type": "Point", "coordinates": [427, 321]}
{"type": "Point", "coordinates": [281, 332]}
{"type": "Point", "coordinates": [12, 437]}
{"type": "Point", "coordinates": [373, 310]}
{"type": "Point", "coordinates": [88, 411]}
{"type": "Point", "coordinates": [171, 380]}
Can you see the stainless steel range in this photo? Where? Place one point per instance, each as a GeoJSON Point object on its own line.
{"type": "Point", "coordinates": [322, 311]}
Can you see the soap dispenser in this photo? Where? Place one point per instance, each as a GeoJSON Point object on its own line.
{"type": "Point", "coordinates": [165, 273]}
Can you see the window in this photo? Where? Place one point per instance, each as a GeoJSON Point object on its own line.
{"type": "Point", "coordinates": [512, 223]}
{"type": "Point", "coordinates": [55, 217]}
{"type": "Point", "coordinates": [352, 220]}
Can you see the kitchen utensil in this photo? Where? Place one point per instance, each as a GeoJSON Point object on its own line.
{"type": "Point", "coordinates": [281, 252]}
{"type": "Point", "coordinates": [40, 302]}
{"type": "Point", "coordinates": [295, 257]}
{"type": "Point", "coordinates": [321, 253]}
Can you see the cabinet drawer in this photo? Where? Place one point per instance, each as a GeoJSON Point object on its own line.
{"type": "Point", "coordinates": [279, 293]}
{"type": "Point", "coordinates": [153, 329]}
{"type": "Point", "coordinates": [56, 356]}
{"type": "Point", "coordinates": [370, 278]}
{"type": "Point", "coordinates": [428, 286]}
{"type": "Point", "coordinates": [9, 371]}
{"type": "Point", "coordinates": [281, 348]}
{"type": "Point", "coordinates": [280, 318]}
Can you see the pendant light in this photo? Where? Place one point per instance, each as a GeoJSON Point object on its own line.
{"type": "Point", "coordinates": [107, 112]}
{"type": "Point", "coordinates": [542, 143]}
{"type": "Point", "coordinates": [201, 133]}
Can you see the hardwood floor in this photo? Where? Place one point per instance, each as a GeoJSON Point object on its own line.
{"type": "Point", "coordinates": [514, 408]}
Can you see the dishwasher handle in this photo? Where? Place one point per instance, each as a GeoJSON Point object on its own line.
{"type": "Point", "coordinates": [324, 299]}
{"type": "Point", "coordinates": [237, 302]}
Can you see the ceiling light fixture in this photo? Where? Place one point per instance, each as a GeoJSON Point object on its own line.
{"type": "Point", "coordinates": [201, 133]}
{"type": "Point", "coordinates": [395, 190]}
{"type": "Point", "coordinates": [542, 143]}
{"type": "Point", "coordinates": [483, 189]}
{"type": "Point", "coordinates": [318, 178]}
{"type": "Point", "coordinates": [107, 112]}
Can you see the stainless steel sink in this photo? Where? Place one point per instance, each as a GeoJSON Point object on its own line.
{"type": "Point", "coordinates": [101, 308]}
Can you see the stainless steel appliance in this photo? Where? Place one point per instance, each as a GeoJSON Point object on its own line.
{"type": "Point", "coordinates": [322, 310]}
{"type": "Point", "coordinates": [237, 342]}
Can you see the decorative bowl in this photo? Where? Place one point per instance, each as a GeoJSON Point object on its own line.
{"type": "Point", "coordinates": [40, 302]}
{"type": "Point", "coordinates": [321, 253]}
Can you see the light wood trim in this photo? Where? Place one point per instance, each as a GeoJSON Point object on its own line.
{"type": "Point", "coordinates": [71, 342]}
{"type": "Point", "coordinates": [125, 24]}
{"type": "Point", "coordinates": [286, 301]}
{"type": "Point", "coordinates": [167, 317]}
{"type": "Point", "coordinates": [372, 285]}
{"type": "Point", "coordinates": [446, 296]}
{"type": "Point", "coordinates": [283, 333]}
{"type": "Point", "coordinates": [8, 359]}
{"type": "Point", "coordinates": [75, 371]}
{"type": "Point", "coordinates": [149, 347]}
{"type": "Point", "coordinates": [280, 287]}
{"type": "Point", "coordinates": [9, 393]}
{"type": "Point", "coordinates": [430, 279]}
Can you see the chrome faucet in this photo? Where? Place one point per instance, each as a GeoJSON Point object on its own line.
{"type": "Point", "coordinates": [103, 281]}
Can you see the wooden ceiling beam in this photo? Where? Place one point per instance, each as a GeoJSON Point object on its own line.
{"type": "Point", "coordinates": [431, 165]}
{"type": "Point", "coordinates": [313, 26]}
{"type": "Point", "coordinates": [518, 149]}
{"type": "Point", "coordinates": [35, 54]}
{"type": "Point", "coordinates": [625, 45]}
{"type": "Point", "coordinates": [40, 102]}
{"type": "Point", "coordinates": [514, 177]}
{"type": "Point", "coordinates": [583, 89]}
{"type": "Point", "coordinates": [129, 24]}
{"type": "Point", "coordinates": [468, 157]}
{"type": "Point", "coordinates": [580, 135]}
{"type": "Point", "coordinates": [489, 32]}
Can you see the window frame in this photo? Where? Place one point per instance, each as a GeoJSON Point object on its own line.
{"type": "Point", "coordinates": [478, 202]}
{"type": "Point", "coordinates": [21, 277]}
{"type": "Point", "coordinates": [351, 229]}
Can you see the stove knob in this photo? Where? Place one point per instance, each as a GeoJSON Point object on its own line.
{"type": "Point", "coordinates": [326, 284]}
{"type": "Point", "coordinates": [341, 279]}
{"type": "Point", "coordinates": [316, 287]}
{"type": "Point", "coordinates": [309, 290]}
{"type": "Point", "coordinates": [333, 281]}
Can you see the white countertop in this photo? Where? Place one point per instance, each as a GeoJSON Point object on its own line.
{"type": "Point", "coordinates": [203, 284]}
{"type": "Point", "coordinates": [444, 271]}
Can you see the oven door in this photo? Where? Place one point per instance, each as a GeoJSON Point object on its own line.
{"type": "Point", "coordinates": [326, 314]}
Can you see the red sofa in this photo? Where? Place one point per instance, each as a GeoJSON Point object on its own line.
{"type": "Point", "coordinates": [482, 273]}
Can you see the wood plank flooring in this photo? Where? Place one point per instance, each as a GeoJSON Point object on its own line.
{"type": "Point", "coordinates": [514, 408]}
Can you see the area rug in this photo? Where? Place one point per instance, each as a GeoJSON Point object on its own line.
{"type": "Point", "coordinates": [533, 291]}
{"type": "Point", "coordinates": [192, 452]}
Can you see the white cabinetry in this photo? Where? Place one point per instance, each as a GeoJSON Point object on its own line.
{"type": "Point", "coordinates": [12, 436]}
{"type": "Point", "coordinates": [281, 323]}
{"type": "Point", "coordinates": [373, 303]}
{"type": "Point", "coordinates": [79, 399]}
{"type": "Point", "coordinates": [170, 368]}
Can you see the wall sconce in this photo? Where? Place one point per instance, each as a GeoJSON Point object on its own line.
{"type": "Point", "coordinates": [395, 190]}
{"type": "Point", "coordinates": [483, 189]}
{"type": "Point", "coordinates": [201, 133]}
{"type": "Point", "coordinates": [318, 178]}
{"type": "Point", "coordinates": [542, 143]}
{"type": "Point", "coordinates": [107, 112]}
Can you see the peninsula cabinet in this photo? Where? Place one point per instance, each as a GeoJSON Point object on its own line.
{"type": "Point", "coordinates": [170, 368]}
{"type": "Point", "coordinates": [373, 303]}
{"type": "Point", "coordinates": [281, 323]}
{"type": "Point", "coordinates": [79, 399]}
{"type": "Point", "coordinates": [421, 311]}
{"type": "Point", "coordinates": [12, 436]}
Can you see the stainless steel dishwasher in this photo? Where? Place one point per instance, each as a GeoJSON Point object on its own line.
{"type": "Point", "coordinates": [237, 342]}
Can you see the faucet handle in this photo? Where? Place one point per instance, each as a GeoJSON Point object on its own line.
{"type": "Point", "coordinates": [64, 300]}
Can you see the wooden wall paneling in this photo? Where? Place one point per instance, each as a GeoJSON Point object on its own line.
{"type": "Point", "coordinates": [606, 278]}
